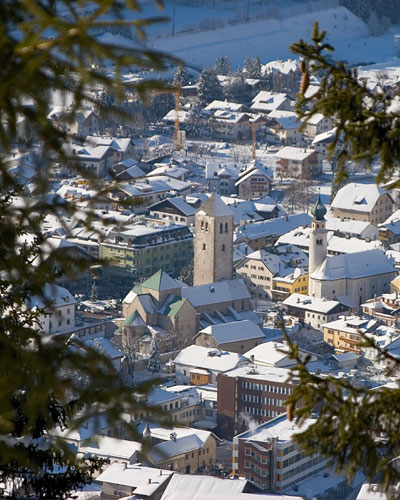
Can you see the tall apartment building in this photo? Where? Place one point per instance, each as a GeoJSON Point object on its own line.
{"type": "Point", "coordinates": [256, 393]}
{"type": "Point", "coordinates": [269, 457]}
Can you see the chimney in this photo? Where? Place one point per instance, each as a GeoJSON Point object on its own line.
{"type": "Point", "coordinates": [149, 480]}
{"type": "Point", "coordinates": [160, 472]}
{"type": "Point", "coordinates": [124, 464]}
{"type": "Point", "coordinates": [252, 358]}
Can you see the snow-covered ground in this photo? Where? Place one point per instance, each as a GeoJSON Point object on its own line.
{"type": "Point", "coordinates": [270, 39]}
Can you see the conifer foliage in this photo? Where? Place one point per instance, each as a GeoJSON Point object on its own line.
{"type": "Point", "coordinates": [357, 428]}
{"type": "Point", "coordinates": [154, 363]}
{"type": "Point", "coordinates": [209, 88]}
{"type": "Point", "coordinates": [49, 47]}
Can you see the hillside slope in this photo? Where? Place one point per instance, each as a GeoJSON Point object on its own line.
{"type": "Point", "coordinates": [268, 39]}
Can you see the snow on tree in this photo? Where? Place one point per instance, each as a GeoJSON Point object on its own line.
{"type": "Point", "coordinates": [223, 65]}
{"type": "Point", "coordinates": [93, 292]}
{"type": "Point", "coordinates": [252, 67]}
{"type": "Point", "coordinates": [181, 77]}
{"type": "Point", "coordinates": [194, 124]}
{"type": "Point", "coordinates": [236, 89]}
{"type": "Point", "coordinates": [209, 88]}
{"type": "Point", "coordinates": [154, 363]}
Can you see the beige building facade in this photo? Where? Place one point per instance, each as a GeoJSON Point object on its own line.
{"type": "Point", "coordinates": [213, 246]}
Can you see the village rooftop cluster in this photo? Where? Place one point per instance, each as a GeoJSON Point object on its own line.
{"type": "Point", "coordinates": [221, 225]}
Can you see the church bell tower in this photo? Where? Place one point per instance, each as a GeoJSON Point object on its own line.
{"type": "Point", "coordinates": [318, 240]}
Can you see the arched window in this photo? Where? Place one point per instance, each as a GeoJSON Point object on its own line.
{"type": "Point", "coordinates": [223, 248]}
{"type": "Point", "coordinates": [221, 228]}
{"type": "Point", "coordinates": [204, 246]}
{"type": "Point", "coordinates": [202, 225]}
{"type": "Point", "coordinates": [226, 227]}
{"type": "Point", "coordinates": [207, 227]}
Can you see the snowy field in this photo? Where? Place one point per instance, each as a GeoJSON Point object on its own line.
{"type": "Point", "coordinates": [270, 39]}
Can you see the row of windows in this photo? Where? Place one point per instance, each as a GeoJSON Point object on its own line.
{"type": "Point", "coordinates": [302, 467]}
{"type": "Point", "coordinates": [266, 388]}
{"type": "Point", "coordinates": [261, 412]}
{"type": "Point", "coordinates": [251, 398]}
{"type": "Point", "coordinates": [260, 458]}
{"type": "Point", "coordinates": [292, 460]}
{"type": "Point", "coordinates": [257, 470]}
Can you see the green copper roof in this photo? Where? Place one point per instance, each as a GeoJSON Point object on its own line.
{"type": "Point", "coordinates": [173, 307]}
{"type": "Point", "coordinates": [160, 281]}
{"type": "Point", "coordinates": [318, 211]}
{"type": "Point", "coordinates": [131, 318]}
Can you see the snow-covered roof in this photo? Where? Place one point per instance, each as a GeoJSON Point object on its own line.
{"type": "Point", "coordinates": [214, 207]}
{"type": "Point", "coordinates": [356, 227]}
{"type": "Point", "coordinates": [309, 303]}
{"type": "Point", "coordinates": [325, 137]}
{"type": "Point", "coordinates": [234, 331]}
{"type": "Point", "coordinates": [287, 119]}
{"type": "Point", "coordinates": [105, 347]}
{"type": "Point", "coordinates": [175, 447]}
{"type": "Point", "coordinates": [280, 260]}
{"type": "Point", "coordinates": [192, 487]}
{"type": "Point", "coordinates": [371, 492]}
{"type": "Point", "coordinates": [208, 358]}
{"type": "Point", "coordinates": [136, 476]}
{"type": "Point", "coordinates": [357, 197]}
{"type": "Point", "coordinates": [269, 353]}
{"type": "Point", "coordinates": [273, 227]}
{"type": "Point", "coordinates": [315, 119]}
{"type": "Point", "coordinates": [224, 105]}
{"type": "Point", "coordinates": [171, 116]}
{"type": "Point", "coordinates": [279, 427]}
{"type": "Point", "coordinates": [259, 372]}
{"type": "Point", "coordinates": [354, 265]}
{"type": "Point", "coordinates": [214, 293]}
{"type": "Point", "coordinates": [178, 202]}
{"type": "Point", "coordinates": [104, 446]}
{"type": "Point", "coordinates": [52, 296]}
{"type": "Point", "coordinates": [169, 170]}
{"type": "Point", "coordinates": [292, 153]}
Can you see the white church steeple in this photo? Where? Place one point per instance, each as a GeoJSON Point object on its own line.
{"type": "Point", "coordinates": [318, 241]}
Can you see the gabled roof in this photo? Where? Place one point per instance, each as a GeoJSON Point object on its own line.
{"type": "Point", "coordinates": [214, 207]}
{"type": "Point", "coordinates": [177, 203]}
{"type": "Point", "coordinates": [358, 197]}
{"type": "Point", "coordinates": [134, 319]}
{"type": "Point", "coordinates": [234, 331]}
{"type": "Point", "coordinates": [292, 153]}
{"type": "Point", "coordinates": [214, 293]}
{"type": "Point", "coordinates": [354, 265]}
{"type": "Point", "coordinates": [136, 476]}
{"type": "Point", "coordinates": [160, 281]}
{"type": "Point", "coordinates": [208, 358]}
{"type": "Point", "coordinates": [173, 448]}
{"type": "Point", "coordinates": [173, 306]}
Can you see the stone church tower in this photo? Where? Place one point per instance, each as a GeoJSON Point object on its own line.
{"type": "Point", "coordinates": [318, 241]}
{"type": "Point", "coordinates": [213, 242]}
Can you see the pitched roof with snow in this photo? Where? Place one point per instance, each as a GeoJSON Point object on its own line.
{"type": "Point", "coordinates": [354, 265]}
{"type": "Point", "coordinates": [234, 331]}
{"type": "Point", "coordinates": [357, 197]}
{"type": "Point", "coordinates": [208, 358]}
{"type": "Point", "coordinates": [292, 153]}
{"type": "Point", "coordinates": [273, 227]}
{"type": "Point", "coordinates": [214, 207]}
{"type": "Point", "coordinates": [310, 303]}
{"type": "Point", "coordinates": [136, 476]}
{"type": "Point", "coordinates": [214, 293]}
